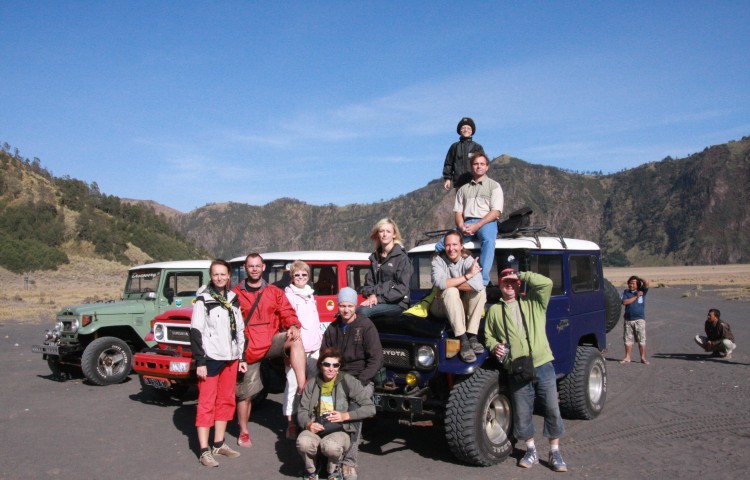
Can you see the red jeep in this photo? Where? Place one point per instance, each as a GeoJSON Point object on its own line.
{"type": "Point", "coordinates": [169, 366]}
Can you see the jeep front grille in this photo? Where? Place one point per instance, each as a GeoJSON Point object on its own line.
{"type": "Point", "coordinates": [397, 357]}
{"type": "Point", "coordinates": [178, 334]}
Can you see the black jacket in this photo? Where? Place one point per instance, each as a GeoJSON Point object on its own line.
{"type": "Point", "coordinates": [718, 332]}
{"type": "Point", "coordinates": [389, 278]}
{"type": "Point", "coordinates": [360, 346]}
{"type": "Point", "coordinates": [457, 165]}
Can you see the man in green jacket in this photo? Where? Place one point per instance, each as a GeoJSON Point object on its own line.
{"type": "Point", "coordinates": [514, 324]}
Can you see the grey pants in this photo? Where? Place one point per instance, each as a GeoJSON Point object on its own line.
{"type": "Point", "coordinates": [350, 458]}
{"type": "Point", "coordinates": [332, 446]}
{"type": "Point", "coordinates": [723, 348]}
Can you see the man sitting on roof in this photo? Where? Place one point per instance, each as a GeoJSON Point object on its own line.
{"type": "Point", "coordinates": [478, 205]}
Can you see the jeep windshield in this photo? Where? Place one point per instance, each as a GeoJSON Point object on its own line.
{"type": "Point", "coordinates": [274, 273]}
{"type": "Point", "coordinates": [142, 281]}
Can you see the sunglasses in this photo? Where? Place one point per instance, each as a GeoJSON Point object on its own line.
{"type": "Point", "coordinates": [329, 364]}
{"type": "Point", "coordinates": [300, 275]}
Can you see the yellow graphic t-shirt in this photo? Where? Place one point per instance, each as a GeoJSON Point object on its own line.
{"type": "Point", "coordinates": [325, 403]}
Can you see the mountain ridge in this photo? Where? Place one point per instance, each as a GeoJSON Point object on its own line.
{"type": "Point", "coordinates": [670, 212]}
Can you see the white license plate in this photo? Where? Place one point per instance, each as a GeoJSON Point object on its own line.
{"type": "Point", "coordinates": [48, 349]}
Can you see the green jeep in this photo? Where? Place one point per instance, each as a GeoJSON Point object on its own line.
{"type": "Point", "coordinates": [100, 338]}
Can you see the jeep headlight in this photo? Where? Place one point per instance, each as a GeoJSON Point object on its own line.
{"type": "Point", "coordinates": [425, 356]}
{"type": "Point", "coordinates": [74, 325]}
{"type": "Point", "coordinates": [159, 332]}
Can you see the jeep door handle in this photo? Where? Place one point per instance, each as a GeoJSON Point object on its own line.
{"type": "Point", "coordinates": [564, 323]}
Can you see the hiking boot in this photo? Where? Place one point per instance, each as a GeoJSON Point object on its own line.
{"type": "Point", "coordinates": [475, 345]}
{"type": "Point", "coordinates": [226, 451]}
{"type": "Point", "coordinates": [207, 460]}
{"type": "Point", "coordinates": [556, 462]}
{"type": "Point", "coordinates": [244, 440]}
{"type": "Point", "coordinates": [336, 474]}
{"type": "Point", "coordinates": [467, 353]}
{"type": "Point", "coordinates": [349, 472]}
{"type": "Point", "coordinates": [529, 459]}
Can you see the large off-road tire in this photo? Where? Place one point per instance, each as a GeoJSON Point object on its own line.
{"type": "Point", "coordinates": [612, 305]}
{"type": "Point", "coordinates": [478, 419]}
{"type": "Point", "coordinates": [584, 391]}
{"type": "Point", "coordinates": [106, 361]}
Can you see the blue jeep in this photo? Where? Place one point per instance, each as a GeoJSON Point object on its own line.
{"type": "Point", "coordinates": [427, 380]}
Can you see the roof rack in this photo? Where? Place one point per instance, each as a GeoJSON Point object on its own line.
{"type": "Point", "coordinates": [516, 225]}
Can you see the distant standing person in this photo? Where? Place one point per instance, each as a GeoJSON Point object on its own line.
{"type": "Point", "coordinates": [300, 296]}
{"type": "Point", "coordinates": [457, 166]}
{"type": "Point", "coordinates": [719, 338]}
{"type": "Point", "coordinates": [634, 299]}
{"type": "Point", "coordinates": [217, 343]}
{"type": "Point", "coordinates": [386, 287]}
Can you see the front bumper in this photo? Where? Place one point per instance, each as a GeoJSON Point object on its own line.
{"type": "Point", "coordinates": [155, 363]}
{"type": "Point", "coordinates": [55, 349]}
{"type": "Point", "coordinates": [401, 404]}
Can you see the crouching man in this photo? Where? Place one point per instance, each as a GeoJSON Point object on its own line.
{"type": "Point", "coordinates": [719, 338]}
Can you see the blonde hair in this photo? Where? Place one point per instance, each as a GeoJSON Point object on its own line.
{"type": "Point", "coordinates": [396, 232]}
{"type": "Point", "coordinates": [299, 265]}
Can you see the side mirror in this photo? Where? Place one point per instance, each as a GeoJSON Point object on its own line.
{"type": "Point", "coordinates": [150, 296]}
{"type": "Point", "coordinates": [169, 293]}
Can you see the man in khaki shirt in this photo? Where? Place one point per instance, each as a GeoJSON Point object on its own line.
{"type": "Point", "coordinates": [478, 205]}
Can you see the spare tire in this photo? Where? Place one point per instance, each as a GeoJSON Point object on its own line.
{"type": "Point", "coordinates": [612, 305]}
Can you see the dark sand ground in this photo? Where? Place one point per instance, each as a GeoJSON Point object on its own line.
{"type": "Point", "coordinates": [683, 416]}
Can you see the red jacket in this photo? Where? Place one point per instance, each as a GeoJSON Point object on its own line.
{"type": "Point", "coordinates": [273, 314]}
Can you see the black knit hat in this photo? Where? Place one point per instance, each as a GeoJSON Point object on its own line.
{"type": "Point", "coordinates": [466, 121]}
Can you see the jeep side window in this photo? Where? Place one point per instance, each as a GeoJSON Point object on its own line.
{"type": "Point", "coordinates": [355, 277]}
{"type": "Point", "coordinates": [238, 273]}
{"type": "Point", "coordinates": [276, 273]}
{"type": "Point", "coordinates": [421, 279]}
{"type": "Point", "coordinates": [325, 280]}
{"type": "Point", "coordinates": [183, 284]}
{"type": "Point", "coordinates": [584, 273]}
{"type": "Point", "coordinates": [551, 266]}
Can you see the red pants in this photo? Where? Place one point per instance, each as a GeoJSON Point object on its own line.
{"type": "Point", "coordinates": [216, 396]}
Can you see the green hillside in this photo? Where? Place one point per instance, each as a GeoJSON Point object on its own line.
{"type": "Point", "coordinates": [43, 218]}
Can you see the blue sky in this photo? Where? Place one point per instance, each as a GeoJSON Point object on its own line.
{"type": "Point", "coordinates": [189, 103]}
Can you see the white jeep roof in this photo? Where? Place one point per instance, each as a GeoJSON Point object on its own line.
{"type": "Point", "coordinates": [310, 255]}
{"type": "Point", "coordinates": [177, 264]}
{"type": "Point", "coordinates": [547, 243]}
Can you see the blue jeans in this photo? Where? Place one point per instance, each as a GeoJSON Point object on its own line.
{"type": "Point", "coordinates": [380, 310]}
{"type": "Point", "coordinates": [486, 236]}
{"type": "Point", "coordinates": [543, 387]}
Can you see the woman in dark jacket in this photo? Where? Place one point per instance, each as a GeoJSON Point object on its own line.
{"type": "Point", "coordinates": [325, 415]}
{"type": "Point", "coordinates": [386, 287]}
